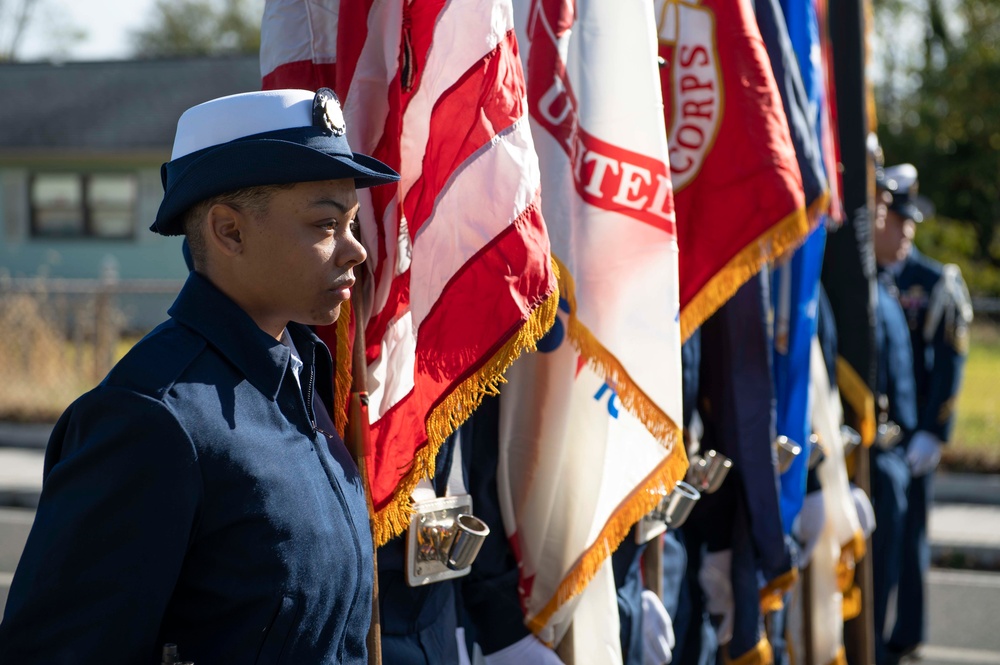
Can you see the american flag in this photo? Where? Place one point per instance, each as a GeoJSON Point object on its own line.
{"type": "Point", "coordinates": [459, 276]}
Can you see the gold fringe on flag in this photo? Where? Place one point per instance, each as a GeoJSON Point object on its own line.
{"type": "Point", "coordinates": [786, 235]}
{"type": "Point", "coordinates": [456, 407]}
{"type": "Point", "coordinates": [342, 369]}
{"type": "Point", "coordinates": [818, 207]}
{"type": "Point", "coordinates": [630, 511]}
{"type": "Point", "coordinates": [635, 401]}
{"type": "Point", "coordinates": [761, 654]}
{"type": "Point", "coordinates": [647, 495]}
{"type": "Point", "coordinates": [771, 596]}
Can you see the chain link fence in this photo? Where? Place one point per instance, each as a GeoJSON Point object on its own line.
{"type": "Point", "coordinates": [59, 337]}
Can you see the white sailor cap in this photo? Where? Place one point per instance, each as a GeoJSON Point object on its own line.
{"type": "Point", "coordinates": [259, 138]}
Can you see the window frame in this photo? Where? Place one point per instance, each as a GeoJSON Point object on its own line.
{"type": "Point", "coordinates": [88, 229]}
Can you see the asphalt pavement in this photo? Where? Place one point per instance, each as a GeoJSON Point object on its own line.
{"type": "Point", "coordinates": [963, 588]}
{"type": "Point", "coordinates": [964, 526]}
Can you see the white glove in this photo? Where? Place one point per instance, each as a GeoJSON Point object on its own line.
{"type": "Point", "coordinates": [657, 631]}
{"type": "Point", "coordinates": [923, 453]}
{"type": "Point", "coordinates": [463, 649]}
{"type": "Point", "coordinates": [716, 581]}
{"type": "Point", "coordinates": [526, 650]}
{"type": "Point", "coordinates": [808, 525]}
{"type": "Point", "coordinates": [866, 514]}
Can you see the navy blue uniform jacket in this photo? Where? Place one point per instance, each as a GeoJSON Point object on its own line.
{"type": "Point", "coordinates": [189, 499]}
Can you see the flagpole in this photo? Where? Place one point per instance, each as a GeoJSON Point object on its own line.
{"type": "Point", "coordinates": [652, 566]}
{"type": "Point", "coordinates": [808, 643]}
{"type": "Point", "coordinates": [358, 442]}
{"type": "Point", "coordinates": [849, 274]}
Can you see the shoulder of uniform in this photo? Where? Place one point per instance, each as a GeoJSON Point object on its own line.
{"type": "Point", "coordinates": [924, 269]}
{"type": "Point", "coordinates": [950, 304]}
{"type": "Point", "coordinates": [157, 361]}
{"type": "Point", "coordinates": [953, 288]}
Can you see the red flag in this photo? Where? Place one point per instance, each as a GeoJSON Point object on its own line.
{"type": "Point", "coordinates": [459, 274]}
{"type": "Point", "coordinates": [737, 187]}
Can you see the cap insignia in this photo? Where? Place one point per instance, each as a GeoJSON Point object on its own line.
{"type": "Point", "coordinates": [327, 112]}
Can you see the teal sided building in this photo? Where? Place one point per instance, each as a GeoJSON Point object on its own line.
{"type": "Point", "coordinates": [81, 146]}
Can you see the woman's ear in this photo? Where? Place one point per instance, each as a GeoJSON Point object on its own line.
{"type": "Point", "coordinates": [225, 229]}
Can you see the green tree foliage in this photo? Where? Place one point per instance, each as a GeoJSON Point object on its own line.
{"type": "Point", "coordinates": [948, 125]}
{"type": "Point", "coordinates": [200, 27]}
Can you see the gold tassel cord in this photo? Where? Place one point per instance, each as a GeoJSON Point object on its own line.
{"type": "Point", "coordinates": [850, 553]}
{"type": "Point", "coordinates": [786, 235]}
{"type": "Point", "coordinates": [859, 397]}
{"type": "Point", "coordinates": [852, 604]}
{"type": "Point", "coordinates": [761, 654]}
{"type": "Point", "coordinates": [455, 408]}
{"type": "Point", "coordinates": [771, 596]}
{"type": "Point", "coordinates": [631, 510]}
{"type": "Point", "coordinates": [859, 546]}
{"type": "Point", "coordinates": [342, 369]}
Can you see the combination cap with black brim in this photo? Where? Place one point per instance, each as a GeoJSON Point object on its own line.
{"type": "Point", "coordinates": [902, 182]}
{"type": "Point", "coordinates": [273, 137]}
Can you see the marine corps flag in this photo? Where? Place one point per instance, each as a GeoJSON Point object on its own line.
{"type": "Point", "coordinates": [458, 278]}
{"type": "Point", "coordinates": [589, 430]}
{"type": "Point", "coordinates": [737, 187]}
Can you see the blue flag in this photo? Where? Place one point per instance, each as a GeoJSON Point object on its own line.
{"type": "Point", "coordinates": [795, 284]}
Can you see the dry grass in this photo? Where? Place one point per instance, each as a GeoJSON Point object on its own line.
{"type": "Point", "coordinates": [42, 370]}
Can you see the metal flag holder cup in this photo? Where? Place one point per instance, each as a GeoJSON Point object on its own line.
{"type": "Point", "coordinates": [443, 540]}
{"type": "Point", "coordinates": [671, 512]}
{"type": "Point", "coordinates": [851, 439]}
{"type": "Point", "coordinates": [888, 435]}
{"type": "Point", "coordinates": [171, 656]}
{"type": "Point", "coordinates": [707, 472]}
{"type": "Point", "coordinates": [675, 507]}
{"type": "Point", "coordinates": [787, 451]}
{"type": "Point", "coordinates": [817, 453]}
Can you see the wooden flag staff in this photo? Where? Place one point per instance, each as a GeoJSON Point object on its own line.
{"type": "Point", "coordinates": [359, 444]}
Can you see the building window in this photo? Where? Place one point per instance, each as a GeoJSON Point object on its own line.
{"type": "Point", "coordinates": [74, 205]}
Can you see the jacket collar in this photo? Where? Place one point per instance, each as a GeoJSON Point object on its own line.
{"type": "Point", "coordinates": [262, 359]}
